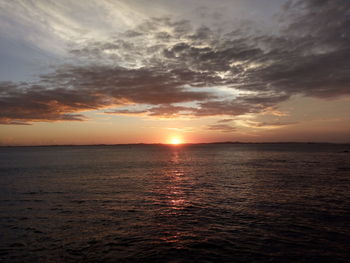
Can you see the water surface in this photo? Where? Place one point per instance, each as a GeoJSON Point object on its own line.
{"type": "Point", "coordinates": [199, 203]}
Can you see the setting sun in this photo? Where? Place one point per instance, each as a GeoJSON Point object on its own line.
{"type": "Point", "coordinates": [175, 141]}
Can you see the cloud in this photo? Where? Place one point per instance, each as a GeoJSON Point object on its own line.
{"type": "Point", "coordinates": [165, 64]}
{"type": "Point", "coordinates": [221, 128]}
{"type": "Point", "coordinates": [225, 120]}
{"type": "Point", "coordinates": [25, 103]}
{"type": "Point", "coordinates": [273, 124]}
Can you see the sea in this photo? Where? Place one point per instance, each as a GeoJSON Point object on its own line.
{"type": "Point", "coordinates": [225, 202]}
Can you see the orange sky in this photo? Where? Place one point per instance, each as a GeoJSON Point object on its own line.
{"type": "Point", "coordinates": [314, 123]}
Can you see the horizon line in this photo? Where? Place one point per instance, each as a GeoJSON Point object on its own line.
{"type": "Point", "coordinates": [168, 144]}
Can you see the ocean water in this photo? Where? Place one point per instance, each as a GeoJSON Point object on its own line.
{"type": "Point", "coordinates": [194, 203]}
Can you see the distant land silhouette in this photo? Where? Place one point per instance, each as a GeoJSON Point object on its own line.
{"type": "Point", "coordinates": [167, 144]}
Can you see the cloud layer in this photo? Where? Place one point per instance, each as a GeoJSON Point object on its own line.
{"type": "Point", "coordinates": [170, 68]}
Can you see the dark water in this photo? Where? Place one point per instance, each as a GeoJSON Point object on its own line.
{"type": "Point", "coordinates": [204, 203]}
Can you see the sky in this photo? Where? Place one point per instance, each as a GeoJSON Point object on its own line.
{"type": "Point", "coordinates": [146, 71]}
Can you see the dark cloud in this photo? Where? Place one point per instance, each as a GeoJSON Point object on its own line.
{"type": "Point", "coordinates": [76, 89]}
{"type": "Point", "coordinates": [164, 63]}
{"type": "Point", "coordinates": [25, 103]}
{"type": "Point", "coordinates": [311, 56]}
{"type": "Point", "coordinates": [203, 109]}
{"type": "Point", "coordinates": [144, 85]}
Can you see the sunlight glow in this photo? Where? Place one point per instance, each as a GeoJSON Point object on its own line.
{"type": "Point", "coordinates": [175, 141]}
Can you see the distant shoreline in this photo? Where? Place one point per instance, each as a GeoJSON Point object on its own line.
{"type": "Point", "coordinates": [165, 144]}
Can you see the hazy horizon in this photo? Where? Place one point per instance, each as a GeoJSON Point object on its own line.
{"type": "Point", "coordinates": [175, 146]}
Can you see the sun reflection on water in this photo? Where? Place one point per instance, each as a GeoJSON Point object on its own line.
{"type": "Point", "coordinates": [175, 196]}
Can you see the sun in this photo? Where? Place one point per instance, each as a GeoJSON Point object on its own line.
{"type": "Point", "coordinates": [175, 141]}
